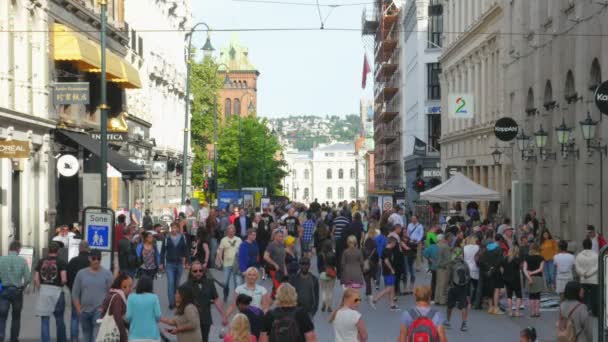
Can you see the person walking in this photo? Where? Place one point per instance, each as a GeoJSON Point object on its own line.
{"type": "Point", "coordinates": [469, 252]}
{"type": "Point", "coordinates": [186, 322]}
{"type": "Point", "coordinates": [459, 289]}
{"type": "Point", "coordinates": [89, 283]}
{"type": "Point", "coordinates": [412, 319]}
{"type": "Point", "coordinates": [490, 262]}
{"type": "Point", "coordinates": [115, 303]}
{"type": "Point", "coordinates": [307, 287]}
{"type": "Point", "coordinates": [291, 258]}
{"type": "Point", "coordinates": [564, 267]}
{"type": "Point", "coordinates": [287, 322]}
{"type": "Point", "coordinates": [575, 310]}
{"type": "Point", "coordinates": [253, 314]}
{"type": "Point", "coordinates": [227, 259]}
{"type": "Point", "coordinates": [258, 293]}
{"type": "Point", "coordinates": [135, 216]}
{"type": "Point", "coordinates": [15, 275]}
{"type": "Point", "coordinates": [443, 264]}
{"type": "Point", "coordinates": [49, 279]}
{"type": "Point", "coordinates": [533, 270]}
{"type": "Point", "coordinates": [240, 330]}
{"type": "Point", "coordinates": [201, 251]}
{"type": "Point", "coordinates": [127, 256]}
{"type": "Point", "coordinates": [242, 224]}
{"type": "Point", "coordinates": [340, 224]}
{"type": "Point", "coordinates": [262, 237]}
{"type": "Point", "coordinates": [327, 274]}
{"type": "Point", "coordinates": [586, 266]}
{"type": "Point", "coordinates": [308, 228]}
{"type": "Point", "coordinates": [143, 312]}
{"type": "Point", "coordinates": [409, 250]}
{"type": "Point", "coordinates": [77, 263]}
{"type": "Point", "coordinates": [511, 268]}
{"type": "Point", "coordinates": [388, 273]}
{"type": "Point", "coordinates": [174, 256]}
{"type": "Point", "coordinates": [352, 264]}
{"type": "Point", "coordinates": [347, 321]}
{"type": "Point", "coordinates": [370, 261]}
{"type": "Point", "coordinates": [148, 255]}
{"type": "Point", "coordinates": [249, 253]}
{"type": "Point", "coordinates": [548, 250]}
{"type": "Point", "coordinates": [274, 256]}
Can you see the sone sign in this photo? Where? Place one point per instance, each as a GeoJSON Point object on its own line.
{"type": "Point", "coordinates": [99, 230]}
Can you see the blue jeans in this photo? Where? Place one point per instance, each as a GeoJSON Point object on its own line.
{"type": "Point", "coordinates": [89, 325]}
{"type": "Point", "coordinates": [409, 269]}
{"type": "Point", "coordinates": [229, 272]}
{"type": "Point", "coordinates": [45, 331]}
{"type": "Point", "coordinates": [550, 273]}
{"type": "Point", "coordinates": [174, 275]}
{"type": "Point", "coordinates": [11, 297]}
{"type": "Point", "coordinates": [74, 324]}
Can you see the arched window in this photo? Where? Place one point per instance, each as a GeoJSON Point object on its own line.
{"type": "Point", "coordinates": [306, 193]}
{"type": "Point", "coordinates": [227, 107]}
{"type": "Point", "coordinates": [595, 79]}
{"type": "Point", "coordinates": [570, 89]}
{"type": "Point", "coordinates": [340, 193]}
{"type": "Point", "coordinates": [530, 109]}
{"type": "Point", "coordinates": [548, 101]}
{"type": "Point", "coordinates": [328, 193]}
{"type": "Point", "coordinates": [237, 107]}
{"type": "Point", "coordinates": [340, 174]}
{"type": "Point", "coordinates": [306, 174]}
{"type": "Point", "coordinates": [353, 192]}
{"type": "Point", "coordinates": [352, 173]}
{"type": "Point", "coordinates": [328, 173]}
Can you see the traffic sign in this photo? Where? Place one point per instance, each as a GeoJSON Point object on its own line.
{"type": "Point", "coordinates": [98, 230]}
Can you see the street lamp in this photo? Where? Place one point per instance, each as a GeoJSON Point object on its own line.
{"type": "Point", "coordinates": [541, 137]}
{"type": "Point", "coordinates": [523, 144]}
{"type": "Point", "coordinates": [564, 134]}
{"type": "Point", "coordinates": [588, 127]}
{"type": "Point", "coordinates": [496, 154]}
{"type": "Point", "coordinates": [207, 50]}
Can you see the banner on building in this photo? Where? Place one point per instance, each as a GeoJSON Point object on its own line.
{"type": "Point", "coordinates": [461, 106]}
{"type": "Point", "coordinates": [70, 93]}
{"type": "Point", "coordinates": [419, 147]}
{"type": "Point", "coordinates": [14, 149]}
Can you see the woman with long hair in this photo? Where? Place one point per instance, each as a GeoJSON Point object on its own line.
{"type": "Point", "coordinates": [327, 275]}
{"type": "Point", "coordinates": [186, 321]}
{"type": "Point", "coordinates": [573, 308]}
{"type": "Point", "coordinates": [115, 303]}
{"type": "Point", "coordinates": [201, 252]}
{"type": "Point", "coordinates": [533, 270]}
{"type": "Point", "coordinates": [240, 330]}
{"type": "Point", "coordinates": [469, 252]}
{"type": "Point", "coordinates": [347, 321]}
{"type": "Point", "coordinates": [143, 312]}
{"type": "Point", "coordinates": [548, 250]}
{"type": "Point", "coordinates": [352, 264]}
{"type": "Point", "coordinates": [321, 237]}
{"type": "Point", "coordinates": [262, 237]}
{"type": "Point", "coordinates": [149, 255]}
{"type": "Point", "coordinates": [370, 260]}
{"type": "Point", "coordinates": [510, 274]}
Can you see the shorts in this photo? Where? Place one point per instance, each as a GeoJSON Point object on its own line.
{"type": "Point", "coordinates": [458, 294]}
{"type": "Point", "coordinates": [306, 246]}
{"type": "Point", "coordinates": [513, 288]}
{"type": "Point", "coordinates": [389, 280]}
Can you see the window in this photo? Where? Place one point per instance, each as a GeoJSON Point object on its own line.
{"type": "Point", "coordinates": [305, 193]}
{"type": "Point", "coordinates": [306, 174]}
{"type": "Point", "coordinates": [340, 174]}
{"type": "Point", "coordinates": [434, 133]}
{"type": "Point", "coordinates": [435, 28]}
{"type": "Point", "coordinates": [433, 87]}
{"type": "Point", "coordinates": [340, 193]}
{"type": "Point", "coordinates": [141, 47]}
{"type": "Point", "coordinates": [353, 192]}
{"type": "Point", "coordinates": [328, 173]}
{"type": "Point", "coordinates": [227, 107]}
{"type": "Point", "coordinates": [352, 173]}
{"type": "Point", "coordinates": [237, 107]}
{"type": "Point", "coordinates": [328, 193]}
{"type": "Point", "coordinates": [133, 41]}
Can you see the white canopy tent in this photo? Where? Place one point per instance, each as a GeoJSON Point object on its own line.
{"type": "Point", "coordinates": [459, 188]}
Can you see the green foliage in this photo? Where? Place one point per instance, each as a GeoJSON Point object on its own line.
{"type": "Point", "coordinates": [304, 132]}
{"type": "Point", "coordinates": [205, 85]}
{"type": "Point", "coordinates": [258, 151]}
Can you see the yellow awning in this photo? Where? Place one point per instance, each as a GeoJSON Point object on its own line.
{"type": "Point", "coordinates": [74, 47]}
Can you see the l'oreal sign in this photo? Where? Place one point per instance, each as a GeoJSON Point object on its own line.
{"type": "Point", "coordinates": [461, 106]}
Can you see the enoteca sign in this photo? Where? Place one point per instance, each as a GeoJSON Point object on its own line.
{"type": "Point", "coordinates": [14, 149]}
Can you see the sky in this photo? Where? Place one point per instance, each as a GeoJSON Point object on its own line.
{"type": "Point", "coordinates": [310, 72]}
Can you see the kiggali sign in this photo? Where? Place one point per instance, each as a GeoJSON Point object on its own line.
{"type": "Point", "coordinates": [601, 97]}
{"type": "Point", "coordinates": [506, 129]}
{"type": "Point", "coordinates": [14, 149]}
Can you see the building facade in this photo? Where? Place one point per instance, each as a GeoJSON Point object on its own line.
{"type": "Point", "coordinates": [471, 64]}
{"type": "Point", "coordinates": [551, 74]}
{"type": "Point", "coordinates": [421, 127]}
{"type": "Point", "coordinates": [328, 173]}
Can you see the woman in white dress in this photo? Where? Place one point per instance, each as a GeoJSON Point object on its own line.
{"type": "Point", "coordinates": [347, 321]}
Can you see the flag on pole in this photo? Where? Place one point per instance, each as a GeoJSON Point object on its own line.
{"type": "Point", "coordinates": [366, 70]}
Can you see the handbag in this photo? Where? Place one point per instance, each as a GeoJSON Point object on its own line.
{"type": "Point", "coordinates": [367, 265]}
{"type": "Point", "coordinates": [108, 330]}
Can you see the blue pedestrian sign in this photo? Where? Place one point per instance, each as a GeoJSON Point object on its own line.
{"type": "Point", "coordinates": [99, 230]}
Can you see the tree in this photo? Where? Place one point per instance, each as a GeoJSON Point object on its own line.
{"type": "Point", "coordinates": [259, 151]}
{"type": "Point", "coordinates": [205, 84]}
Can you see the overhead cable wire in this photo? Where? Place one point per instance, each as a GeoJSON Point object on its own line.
{"type": "Point", "coordinates": [288, 3]}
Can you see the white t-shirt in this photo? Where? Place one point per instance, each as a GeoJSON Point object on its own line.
{"type": "Point", "coordinates": [256, 294]}
{"type": "Point", "coordinates": [564, 263]}
{"type": "Point", "coordinates": [345, 325]}
{"type": "Point", "coordinates": [469, 252]}
{"type": "Point", "coordinates": [230, 247]}
{"type": "Point", "coordinates": [395, 219]}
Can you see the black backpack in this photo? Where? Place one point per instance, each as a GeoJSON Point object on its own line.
{"type": "Point", "coordinates": [285, 327]}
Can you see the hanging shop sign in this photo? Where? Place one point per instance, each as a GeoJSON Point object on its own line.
{"type": "Point", "coordinates": [71, 93]}
{"type": "Point", "coordinates": [14, 149]}
{"type": "Point", "coordinates": [112, 136]}
{"type": "Point", "coordinates": [506, 129]}
{"type": "Point", "coordinates": [601, 97]}
{"type": "Point", "coordinates": [67, 165]}
{"type": "Point", "coordinates": [461, 106]}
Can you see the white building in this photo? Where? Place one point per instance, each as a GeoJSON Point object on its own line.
{"type": "Point", "coordinates": [421, 105]}
{"type": "Point", "coordinates": [471, 63]}
{"type": "Point", "coordinates": [161, 100]}
{"type": "Point", "coordinates": [328, 173]}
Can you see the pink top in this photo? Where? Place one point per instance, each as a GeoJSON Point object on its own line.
{"type": "Point", "coordinates": [228, 338]}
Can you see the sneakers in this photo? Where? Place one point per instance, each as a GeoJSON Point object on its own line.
{"type": "Point", "coordinates": [463, 327]}
{"type": "Point", "coordinates": [394, 307]}
{"type": "Point", "coordinates": [447, 324]}
{"type": "Point", "coordinates": [371, 302]}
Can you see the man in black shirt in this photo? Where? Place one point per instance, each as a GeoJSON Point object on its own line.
{"type": "Point", "coordinates": [287, 321]}
{"type": "Point", "coordinates": [50, 277]}
{"type": "Point", "coordinates": [307, 287]}
{"type": "Point", "coordinates": [127, 258]}
{"type": "Point", "coordinates": [76, 264]}
{"type": "Point", "coordinates": [292, 223]}
{"type": "Point", "coordinates": [205, 293]}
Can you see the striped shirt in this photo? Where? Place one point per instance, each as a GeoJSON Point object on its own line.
{"type": "Point", "coordinates": [340, 225]}
{"type": "Point", "coordinates": [14, 270]}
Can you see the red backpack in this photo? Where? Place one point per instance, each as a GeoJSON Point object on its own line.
{"type": "Point", "coordinates": [422, 328]}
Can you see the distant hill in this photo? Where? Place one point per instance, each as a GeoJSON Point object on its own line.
{"type": "Point", "coordinates": [304, 132]}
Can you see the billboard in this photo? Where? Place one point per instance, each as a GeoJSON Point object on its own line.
{"type": "Point", "coordinates": [461, 106]}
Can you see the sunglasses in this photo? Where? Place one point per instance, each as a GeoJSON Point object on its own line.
{"type": "Point", "coordinates": [197, 271]}
{"type": "Point", "coordinates": [95, 258]}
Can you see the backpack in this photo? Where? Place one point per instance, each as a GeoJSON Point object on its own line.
{"type": "Point", "coordinates": [285, 328]}
{"type": "Point", "coordinates": [422, 328]}
{"type": "Point", "coordinates": [460, 273]}
{"type": "Point", "coordinates": [566, 332]}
